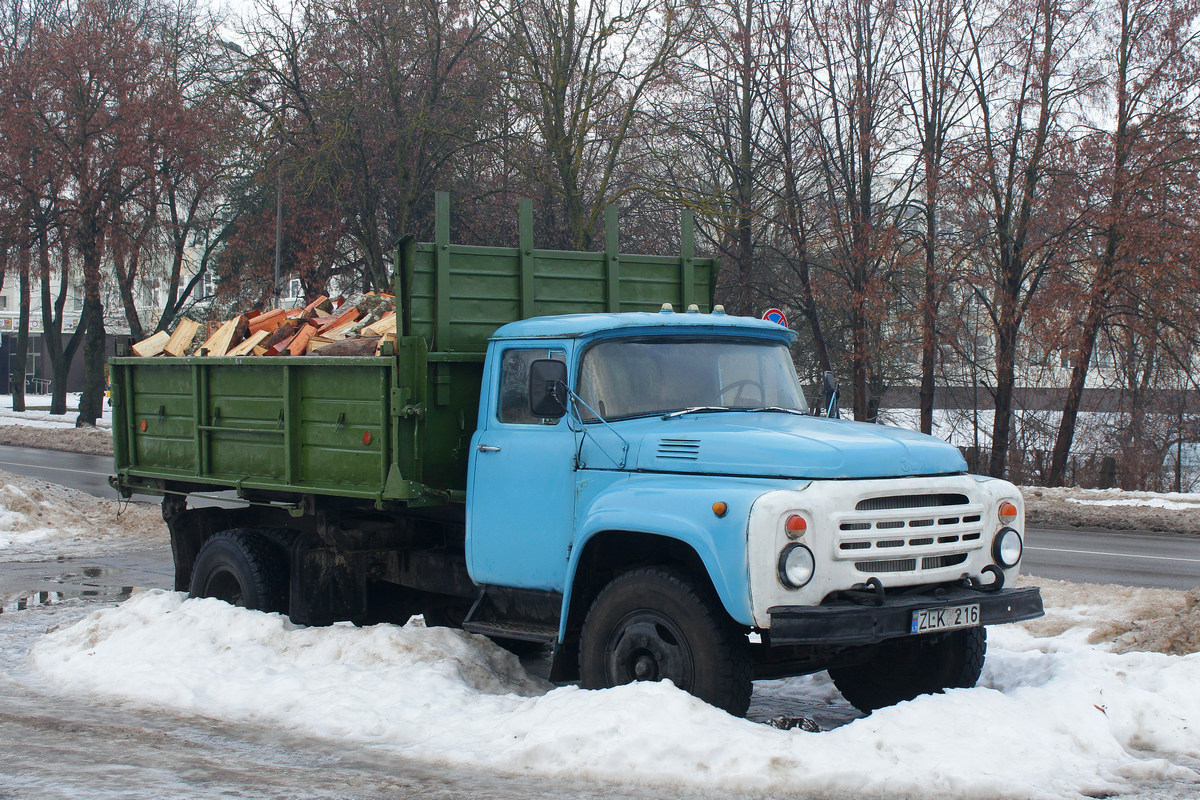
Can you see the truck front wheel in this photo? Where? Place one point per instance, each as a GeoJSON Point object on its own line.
{"type": "Point", "coordinates": [901, 669]}
{"type": "Point", "coordinates": [654, 624]}
{"type": "Point", "coordinates": [239, 567]}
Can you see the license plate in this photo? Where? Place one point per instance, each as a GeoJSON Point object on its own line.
{"type": "Point", "coordinates": [946, 618]}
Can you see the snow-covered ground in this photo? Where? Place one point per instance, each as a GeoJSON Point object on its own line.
{"type": "Point", "coordinates": [1097, 698]}
{"type": "Point", "coordinates": [37, 427]}
{"type": "Point", "coordinates": [40, 521]}
{"type": "Point", "coordinates": [38, 413]}
{"type": "Point", "coordinates": [1053, 717]}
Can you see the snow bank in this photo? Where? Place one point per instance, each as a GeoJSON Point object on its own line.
{"type": "Point", "coordinates": [39, 416]}
{"type": "Point", "coordinates": [1052, 718]}
{"type": "Point", "coordinates": [1172, 512]}
{"type": "Point", "coordinates": [40, 520]}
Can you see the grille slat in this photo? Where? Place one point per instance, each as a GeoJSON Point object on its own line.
{"type": "Point", "coordinates": [890, 565]}
{"type": "Point", "coordinates": [904, 501]}
{"type": "Point", "coordinates": [938, 562]}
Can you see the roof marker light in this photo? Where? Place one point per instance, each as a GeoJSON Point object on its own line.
{"type": "Point", "coordinates": [667, 308]}
{"type": "Point", "coordinates": [693, 309]}
{"type": "Point", "coordinates": [719, 309]}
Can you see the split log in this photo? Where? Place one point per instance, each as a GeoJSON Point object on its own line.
{"type": "Point", "coordinates": [181, 340]}
{"type": "Point", "coordinates": [321, 303]}
{"type": "Point", "coordinates": [268, 321]}
{"type": "Point", "coordinates": [299, 343]}
{"type": "Point", "coordinates": [364, 346]}
{"type": "Point", "coordinates": [246, 347]}
{"type": "Point", "coordinates": [383, 326]}
{"type": "Point", "coordinates": [283, 333]}
{"type": "Point", "coordinates": [152, 345]}
{"type": "Point", "coordinates": [231, 333]}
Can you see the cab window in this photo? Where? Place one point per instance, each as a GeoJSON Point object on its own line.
{"type": "Point", "coordinates": [514, 384]}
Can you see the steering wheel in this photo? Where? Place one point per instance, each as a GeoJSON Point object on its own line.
{"type": "Point", "coordinates": [740, 398]}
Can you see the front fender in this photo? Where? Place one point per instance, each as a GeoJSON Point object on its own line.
{"type": "Point", "coordinates": [678, 507]}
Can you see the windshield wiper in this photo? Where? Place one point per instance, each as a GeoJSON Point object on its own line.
{"type": "Point", "coordinates": [781, 408]}
{"type": "Point", "coordinates": [696, 410]}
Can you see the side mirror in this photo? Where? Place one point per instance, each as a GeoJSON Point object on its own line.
{"type": "Point", "coordinates": [832, 392]}
{"type": "Point", "coordinates": [548, 388]}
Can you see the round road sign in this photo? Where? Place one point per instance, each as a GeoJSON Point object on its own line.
{"type": "Point", "coordinates": [776, 316]}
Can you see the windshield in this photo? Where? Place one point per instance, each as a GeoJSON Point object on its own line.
{"type": "Point", "coordinates": [633, 378]}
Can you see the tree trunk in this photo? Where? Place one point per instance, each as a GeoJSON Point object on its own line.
{"type": "Point", "coordinates": [92, 321]}
{"type": "Point", "coordinates": [20, 360]}
{"type": "Point", "coordinates": [1006, 351]}
{"type": "Point", "coordinates": [52, 322]}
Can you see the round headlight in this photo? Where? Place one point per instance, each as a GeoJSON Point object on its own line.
{"type": "Point", "coordinates": [1007, 547]}
{"type": "Point", "coordinates": [796, 565]}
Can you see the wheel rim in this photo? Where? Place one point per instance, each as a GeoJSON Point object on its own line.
{"type": "Point", "coordinates": [647, 646]}
{"type": "Point", "coordinates": [223, 585]}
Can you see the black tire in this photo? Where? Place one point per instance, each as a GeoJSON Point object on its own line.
{"type": "Point", "coordinates": [654, 623]}
{"type": "Point", "coordinates": [901, 669]}
{"type": "Point", "coordinates": [242, 568]}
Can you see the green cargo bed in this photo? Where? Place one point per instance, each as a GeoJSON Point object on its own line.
{"type": "Point", "coordinates": [390, 428]}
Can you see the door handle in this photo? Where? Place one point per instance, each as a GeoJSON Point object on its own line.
{"type": "Point", "coordinates": [487, 448]}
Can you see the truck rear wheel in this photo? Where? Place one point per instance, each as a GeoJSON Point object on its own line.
{"type": "Point", "coordinates": [654, 624]}
{"type": "Point", "coordinates": [901, 669]}
{"type": "Point", "coordinates": [239, 567]}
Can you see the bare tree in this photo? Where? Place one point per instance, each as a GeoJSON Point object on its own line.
{"type": "Point", "coordinates": [856, 58]}
{"type": "Point", "coordinates": [1028, 70]}
{"type": "Point", "coordinates": [1153, 55]}
{"type": "Point", "coordinates": [581, 72]}
{"type": "Point", "coordinates": [936, 96]}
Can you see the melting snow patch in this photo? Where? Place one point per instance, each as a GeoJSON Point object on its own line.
{"type": "Point", "coordinates": [40, 520]}
{"type": "Point", "coordinates": [1052, 718]}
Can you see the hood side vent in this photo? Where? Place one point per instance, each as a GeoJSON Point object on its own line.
{"type": "Point", "coordinates": [683, 449]}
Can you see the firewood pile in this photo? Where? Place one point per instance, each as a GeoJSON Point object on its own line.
{"type": "Point", "coordinates": [324, 327]}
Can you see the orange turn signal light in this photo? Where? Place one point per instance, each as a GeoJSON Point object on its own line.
{"type": "Point", "coordinates": [1008, 512]}
{"type": "Point", "coordinates": [795, 525]}
{"type": "Point", "coordinates": [720, 509]}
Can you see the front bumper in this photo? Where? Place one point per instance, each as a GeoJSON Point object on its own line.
{"type": "Point", "coordinates": [847, 623]}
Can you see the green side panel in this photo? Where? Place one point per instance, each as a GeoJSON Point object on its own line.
{"type": "Point", "coordinates": [335, 426]}
{"type": "Point", "coordinates": [453, 410]}
{"type": "Point", "coordinates": [162, 410]}
{"type": "Point", "coordinates": [485, 289]}
{"type": "Point", "coordinates": [456, 296]}
{"type": "Point", "coordinates": [246, 418]}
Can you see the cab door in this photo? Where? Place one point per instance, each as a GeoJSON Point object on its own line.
{"type": "Point", "coordinates": [521, 501]}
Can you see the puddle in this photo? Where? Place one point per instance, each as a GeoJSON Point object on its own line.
{"type": "Point", "coordinates": [28, 586]}
{"type": "Point", "coordinates": [34, 599]}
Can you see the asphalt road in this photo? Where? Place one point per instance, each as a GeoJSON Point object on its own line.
{"type": "Point", "coordinates": [1094, 556]}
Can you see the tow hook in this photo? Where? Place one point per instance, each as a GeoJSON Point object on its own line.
{"type": "Point", "coordinates": [870, 592]}
{"type": "Point", "coordinates": [979, 586]}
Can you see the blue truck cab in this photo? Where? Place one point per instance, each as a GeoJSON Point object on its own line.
{"type": "Point", "coordinates": [661, 478]}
